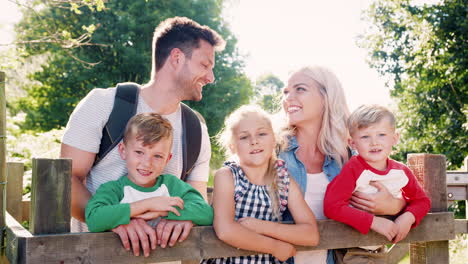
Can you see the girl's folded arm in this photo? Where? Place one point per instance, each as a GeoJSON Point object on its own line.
{"type": "Point", "coordinates": [226, 228]}
{"type": "Point", "coordinates": [305, 222]}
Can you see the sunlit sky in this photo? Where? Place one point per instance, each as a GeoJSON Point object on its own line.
{"type": "Point", "coordinates": [279, 36]}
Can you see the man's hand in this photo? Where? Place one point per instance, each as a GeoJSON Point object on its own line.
{"type": "Point", "coordinates": [172, 231]}
{"type": "Point", "coordinates": [384, 227]}
{"type": "Point", "coordinates": [380, 203]}
{"type": "Point", "coordinates": [137, 231]}
{"type": "Point", "coordinates": [404, 223]}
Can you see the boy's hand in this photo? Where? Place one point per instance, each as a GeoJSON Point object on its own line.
{"type": "Point", "coordinates": [151, 215]}
{"type": "Point", "coordinates": [404, 223]}
{"type": "Point", "coordinates": [283, 250]}
{"type": "Point", "coordinates": [384, 227]}
{"type": "Point", "coordinates": [252, 224]}
{"type": "Point", "coordinates": [167, 204]}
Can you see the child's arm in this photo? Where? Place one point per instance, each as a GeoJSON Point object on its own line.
{"type": "Point", "coordinates": [154, 207]}
{"type": "Point", "coordinates": [384, 227]}
{"type": "Point", "coordinates": [336, 202]}
{"type": "Point", "coordinates": [233, 233]}
{"type": "Point", "coordinates": [418, 205]}
{"type": "Point", "coordinates": [403, 223]}
{"type": "Point", "coordinates": [104, 210]}
{"type": "Point", "coordinates": [304, 232]}
{"type": "Point", "coordinates": [195, 209]}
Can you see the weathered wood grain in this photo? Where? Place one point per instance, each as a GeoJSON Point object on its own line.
{"type": "Point", "coordinates": [50, 196]}
{"type": "Point", "coordinates": [202, 243]}
{"type": "Point", "coordinates": [2, 149]}
{"type": "Point", "coordinates": [430, 169]}
{"type": "Point", "coordinates": [15, 171]}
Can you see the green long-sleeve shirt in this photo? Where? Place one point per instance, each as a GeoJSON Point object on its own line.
{"type": "Point", "coordinates": [110, 206]}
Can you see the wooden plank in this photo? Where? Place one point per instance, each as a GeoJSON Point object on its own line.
{"type": "Point", "coordinates": [396, 253]}
{"type": "Point", "coordinates": [15, 171]}
{"type": "Point", "coordinates": [456, 193]}
{"type": "Point", "coordinates": [16, 237]}
{"type": "Point", "coordinates": [25, 205]}
{"type": "Point", "coordinates": [2, 154]}
{"type": "Point", "coordinates": [457, 178]}
{"type": "Point", "coordinates": [457, 185]}
{"type": "Point", "coordinates": [461, 226]}
{"type": "Point", "coordinates": [50, 196]}
{"type": "Point", "coordinates": [203, 243]}
{"type": "Point", "coordinates": [430, 169]}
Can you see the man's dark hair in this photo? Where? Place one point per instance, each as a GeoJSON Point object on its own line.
{"type": "Point", "coordinates": [184, 34]}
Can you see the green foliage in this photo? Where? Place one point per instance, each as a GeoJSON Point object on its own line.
{"type": "Point", "coordinates": [422, 51]}
{"type": "Point", "coordinates": [268, 92]}
{"type": "Point", "coordinates": [459, 209]}
{"type": "Point", "coordinates": [23, 146]}
{"type": "Point", "coordinates": [123, 30]}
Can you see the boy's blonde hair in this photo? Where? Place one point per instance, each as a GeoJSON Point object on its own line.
{"type": "Point", "coordinates": [226, 139]}
{"type": "Point", "coordinates": [367, 115]}
{"type": "Point", "coordinates": [149, 128]}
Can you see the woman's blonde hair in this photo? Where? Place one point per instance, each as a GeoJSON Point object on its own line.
{"type": "Point", "coordinates": [332, 139]}
{"type": "Point", "coordinates": [226, 138]}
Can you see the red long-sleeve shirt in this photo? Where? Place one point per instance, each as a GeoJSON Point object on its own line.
{"type": "Point", "coordinates": [356, 170]}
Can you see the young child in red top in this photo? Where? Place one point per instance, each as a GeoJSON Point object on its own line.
{"type": "Point", "coordinates": [372, 130]}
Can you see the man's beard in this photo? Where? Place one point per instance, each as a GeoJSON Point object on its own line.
{"type": "Point", "coordinates": [186, 86]}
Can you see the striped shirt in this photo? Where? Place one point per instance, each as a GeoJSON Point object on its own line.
{"type": "Point", "coordinates": [84, 131]}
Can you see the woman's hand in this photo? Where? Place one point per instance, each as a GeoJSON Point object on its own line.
{"type": "Point", "coordinates": [380, 203]}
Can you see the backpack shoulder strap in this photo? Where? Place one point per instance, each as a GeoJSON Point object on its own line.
{"type": "Point", "coordinates": [191, 139]}
{"type": "Point", "coordinates": [125, 105]}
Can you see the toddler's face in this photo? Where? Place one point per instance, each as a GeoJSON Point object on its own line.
{"type": "Point", "coordinates": [374, 143]}
{"type": "Point", "coordinates": [145, 163]}
{"type": "Point", "coordinates": [254, 141]}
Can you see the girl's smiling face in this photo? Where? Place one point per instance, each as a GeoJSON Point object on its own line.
{"type": "Point", "coordinates": [253, 141]}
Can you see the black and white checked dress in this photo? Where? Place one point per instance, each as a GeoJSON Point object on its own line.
{"type": "Point", "coordinates": [253, 201]}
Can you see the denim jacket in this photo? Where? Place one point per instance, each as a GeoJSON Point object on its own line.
{"type": "Point", "coordinates": [298, 171]}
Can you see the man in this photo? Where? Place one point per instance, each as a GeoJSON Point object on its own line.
{"type": "Point", "coordinates": [183, 61]}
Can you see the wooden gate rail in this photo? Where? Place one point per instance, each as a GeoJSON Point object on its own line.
{"type": "Point", "coordinates": [23, 247]}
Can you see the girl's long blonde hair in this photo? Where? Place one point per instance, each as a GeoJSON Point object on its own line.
{"type": "Point", "coordinates": [333, 136]}
{"type": "Point", "coordinates": [226, 138]}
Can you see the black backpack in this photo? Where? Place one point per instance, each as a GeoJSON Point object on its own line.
{"type": "Point", "coordinates": [125, 106]}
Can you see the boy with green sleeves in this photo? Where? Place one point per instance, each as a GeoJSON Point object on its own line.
{"type": "Point", "coordinates": [145, 193]}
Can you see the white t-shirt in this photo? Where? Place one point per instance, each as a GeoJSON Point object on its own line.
{"type": "Point", "coordinates": [314, 194]}
{"type": "Point", "coordinates": [84, 131]}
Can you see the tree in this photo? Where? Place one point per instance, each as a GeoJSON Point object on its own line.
{"type": "Point", "coordinates": [422, 51]}
{"type": "Point", "coordinates": [124, 32]}
{"type": "Point", "coordinates": [268, 91]}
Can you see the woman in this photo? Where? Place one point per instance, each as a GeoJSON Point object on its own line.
{"type": "Point", "coordinates": [316, 113]}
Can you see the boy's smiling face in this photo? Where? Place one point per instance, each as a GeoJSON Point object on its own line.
{"type": "Point", "coordinates": [374, 143]}
{"type": "Point", "coordinates": [145, 163]}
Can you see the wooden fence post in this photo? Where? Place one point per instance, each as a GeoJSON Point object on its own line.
{"type": "Point", "coordinates": [430, 170]}
{"type": "Point", "coordinates": [2, 158]}
{"type": "Point", "coordinates": [50, 196]}
{"type": "Point", "coordinates": [15, 171]}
